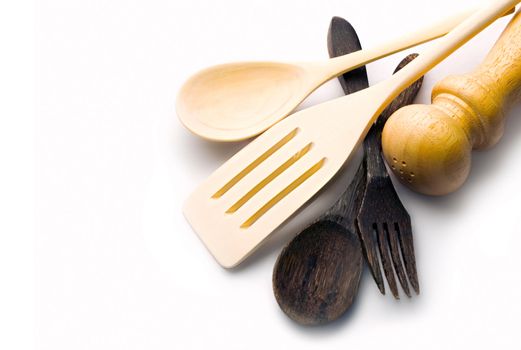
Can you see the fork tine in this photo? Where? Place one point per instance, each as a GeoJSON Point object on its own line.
{"type": "Point", "coordinates": [406, 241]}
{"type": "Point", "coordinates": [383, 244]}
{"type": "Point", "coordinates": [394, 244]}
{"type": "Point", "coordinates": [369, 243]}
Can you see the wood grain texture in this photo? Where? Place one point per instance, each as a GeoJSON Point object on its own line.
{"type": "Point", "coordinates": [320, 274]}
{"type": "Point", "coordinates": [429, 146]}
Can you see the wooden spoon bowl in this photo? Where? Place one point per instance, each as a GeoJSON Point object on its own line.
{"type": "Point", "coordinates": [316, 277]}
{"type": "Point", "coordinates": [256, 94]}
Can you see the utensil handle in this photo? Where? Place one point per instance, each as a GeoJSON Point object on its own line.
{"type": "Point", "coordinates": [342, 64]}
{"type": "Point", "coordinates": [478, 99]}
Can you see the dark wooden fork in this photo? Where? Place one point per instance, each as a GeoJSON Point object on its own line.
{"type": "Point", "coordinates": [383, 222]}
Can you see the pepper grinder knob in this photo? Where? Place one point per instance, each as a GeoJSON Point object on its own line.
{"type": "Point", "coordinates": [428, 147]}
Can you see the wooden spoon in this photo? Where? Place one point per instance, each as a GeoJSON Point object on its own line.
{"type": "Point", "coordinates": [316, 277]}
{"type": "Point", "coordinates": [235, 101]}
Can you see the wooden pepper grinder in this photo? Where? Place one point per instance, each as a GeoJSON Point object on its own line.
{"type": "Point", "coordinates": [428, 147]}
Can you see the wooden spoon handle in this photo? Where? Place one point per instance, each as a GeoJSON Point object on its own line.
{"type": "Point", "coordinates": [342, 64]}
{"type": "Point", "coordinates": [479, 99]}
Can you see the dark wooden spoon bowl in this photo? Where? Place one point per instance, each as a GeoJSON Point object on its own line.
{"type": "Point", "coordinates": [314, 282]}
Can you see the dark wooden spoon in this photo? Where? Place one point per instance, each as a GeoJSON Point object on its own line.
{"type": "Point", "coordinates": [316, 276]}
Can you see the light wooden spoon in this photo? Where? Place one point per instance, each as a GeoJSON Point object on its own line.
{"type": "Point", "coordinates": [260, 187]}
{"type": "Point", "coordinates": [236, 101]}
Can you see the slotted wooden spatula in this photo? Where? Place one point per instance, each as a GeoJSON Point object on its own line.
{"type": "Point", "coordinates": [261, 186]}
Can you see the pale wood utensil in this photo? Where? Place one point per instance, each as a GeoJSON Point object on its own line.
{"type": "Point", "coordinates": [235, 101]}
{"type": "Point", "coordinates": [429, 146]}
{"type": "Point", "coordinates": [262, 185]}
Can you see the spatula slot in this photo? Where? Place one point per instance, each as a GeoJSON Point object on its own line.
{"type": "Point", "coordinates": [279, 196]}
{"type": "Point", "coordinates": [269, 178]}
{"type": "Point", "coordinates": [255, 163]}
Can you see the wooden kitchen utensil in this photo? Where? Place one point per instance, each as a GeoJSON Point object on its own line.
{"type": "Point", "coordinates": [316, 276]}
{"type": "Point", "coordinates": [383, 222]}
{"type": "Point", "coordinates": [236, 101]}
{"type": "Point", "coordinates": [429, 146]}
{"type": "Point", "coordinates": [262, 185]}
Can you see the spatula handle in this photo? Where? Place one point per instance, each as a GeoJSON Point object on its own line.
{"type": "Point", "coordinates": [432, 144]}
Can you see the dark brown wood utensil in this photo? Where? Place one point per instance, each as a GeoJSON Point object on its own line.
{"type": "Point", "coordinates": [383, 221]}
{"type": "Point", "coordinates": [317, 275]}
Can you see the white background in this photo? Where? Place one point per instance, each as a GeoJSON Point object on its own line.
{"type": "Point", "coordinates": [94, 250]}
